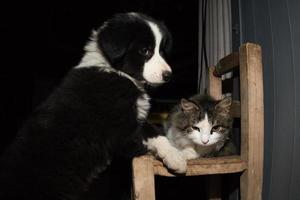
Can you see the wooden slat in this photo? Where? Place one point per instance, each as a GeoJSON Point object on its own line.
{"type": "Point", "coordinates": [213, 185]}
{"type": "Point", "coordinates": [215, 90]}
{"type": "Point", "coordinates": [205, 166]}
{"type": "Point", "coordinates": [227, 63]}
{"type": "Point", "coordinates": [252, 120]}
{"type": "Point", "coordinates": [214, 84]}
{"type": "Point", "coordinates": [143, 178]}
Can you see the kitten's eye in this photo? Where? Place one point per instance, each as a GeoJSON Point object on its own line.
{"type": "Point", "coordinates": [145, 52]}
{"type": "Point", "coordinates": [195, 128]}
{"type": "Point", "coordinates": [218, 129]}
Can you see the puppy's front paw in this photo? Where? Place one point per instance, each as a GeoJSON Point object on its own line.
{"type": "Point", "coordinates": [171, 156]}
{"type": "Point", "coordinates": [175, 161]}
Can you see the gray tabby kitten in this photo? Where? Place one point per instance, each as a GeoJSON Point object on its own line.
{"type": "Point", "coordinates": [201, 126]}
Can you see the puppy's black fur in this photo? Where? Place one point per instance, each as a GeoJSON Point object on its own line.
{"type": "Point", "coordinates": [87, 122]}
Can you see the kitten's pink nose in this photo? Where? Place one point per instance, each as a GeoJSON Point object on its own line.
{"type": "Point", "coordinates": [204, 141]}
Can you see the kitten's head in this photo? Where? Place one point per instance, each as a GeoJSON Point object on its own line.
{"type": "Point", "coordinates": [204, 120]}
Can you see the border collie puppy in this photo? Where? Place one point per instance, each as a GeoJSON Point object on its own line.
{"type": "Point", "coordinates": [97, 113]}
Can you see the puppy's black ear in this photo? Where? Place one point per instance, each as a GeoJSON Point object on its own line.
{"type": "Point", "coordinates": [114, 39]}
{"type": "Point", "coordinates": [167, 41]}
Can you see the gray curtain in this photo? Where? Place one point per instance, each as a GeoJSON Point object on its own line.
{"type": "Point", "coordinates": [218, 36]}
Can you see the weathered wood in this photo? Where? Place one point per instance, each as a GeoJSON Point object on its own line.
{"type": "Point", "coordinates": [143, 178]}
{"type": "Point", "coordinates": [252, 120]}
{"type": "Point", "coordinates": [235, 110]}
{"type": "Point", "coordinates": [214, 84]}
{"type": "Point", "coordinates": [227, 63]}
{"type": "Point", "coordinates": [205, 166]}
{"type": "Point", "coordinates": [213, 186]}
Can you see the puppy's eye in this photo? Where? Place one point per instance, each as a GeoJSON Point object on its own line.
{"type": "Point", "coordinates": [195, 128]}
{"type": "Point", "coordinates": [145, 52]}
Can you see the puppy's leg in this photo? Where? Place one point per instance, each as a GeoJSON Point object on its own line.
{"type": "Point", "coordinates": [160, 145]}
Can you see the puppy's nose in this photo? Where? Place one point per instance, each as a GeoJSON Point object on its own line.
{"type": "Point", "coordinates": [167, 76]}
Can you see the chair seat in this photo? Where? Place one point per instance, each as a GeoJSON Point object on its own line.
{"type": "Point", "coordinates": [201, 166]}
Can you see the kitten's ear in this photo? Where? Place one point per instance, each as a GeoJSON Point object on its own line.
{"type": "Point", "coordinates": [224, 105]}
{"type": "Point", "coordinates": [188, 106]}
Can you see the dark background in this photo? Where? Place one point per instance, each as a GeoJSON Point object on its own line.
{"type": "Point", "coordinates": [42, 41]}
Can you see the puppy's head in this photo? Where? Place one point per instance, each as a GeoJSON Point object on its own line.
{"type": "Point", "coordinates": [136, 45]}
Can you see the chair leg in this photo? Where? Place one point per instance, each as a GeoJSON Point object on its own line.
{"type": "Point", "coordinates": [245, 185]}
{"type": "Point", "coordinates": [214, 187]}
{"type": "Point", "coordinates": [143, 178]}
{"type": "Point", "coordinates": [250, 188]}
{"type": "Point", "coordinates": [252, 122]}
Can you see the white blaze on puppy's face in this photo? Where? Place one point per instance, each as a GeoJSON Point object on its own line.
{"type": "Point", "coordinates": [156, 65]}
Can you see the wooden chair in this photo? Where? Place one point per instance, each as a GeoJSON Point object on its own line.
{"type": "Point", "coordinates": [250, 111]}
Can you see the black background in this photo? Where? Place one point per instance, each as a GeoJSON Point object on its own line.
{"type": "Point", "coordinates": [42, 41]}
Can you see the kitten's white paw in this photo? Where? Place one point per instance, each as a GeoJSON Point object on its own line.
{"type": "Point", "coordinates": [175, 161]}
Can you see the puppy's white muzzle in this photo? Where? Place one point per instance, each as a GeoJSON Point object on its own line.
{"type": "Point", "coordinates": [157, 71]}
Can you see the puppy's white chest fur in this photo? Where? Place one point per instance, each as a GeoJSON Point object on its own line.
{"type": "Point", "coordinates": [143, 106]}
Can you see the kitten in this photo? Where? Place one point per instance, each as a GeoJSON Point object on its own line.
{"type": "Point", "coordinates": [201, 126]}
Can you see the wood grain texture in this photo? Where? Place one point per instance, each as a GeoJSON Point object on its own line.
{"type": "Point", "coordinates": [227, 64]}
{"type": "Point", "coordinates": [252, 120]}
{"type": "Point", "coordinates": [205, 166]}
{"type": "Point", "coordinates": [214, 84]}
{"type": "Point", "coordinates": [213, 188]}
{"type": "Point", "coordinates": [143, 178]}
